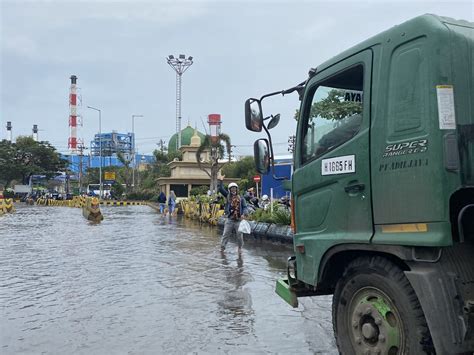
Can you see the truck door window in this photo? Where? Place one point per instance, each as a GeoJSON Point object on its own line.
{"type": "Point", "coordinates": [334, 114]}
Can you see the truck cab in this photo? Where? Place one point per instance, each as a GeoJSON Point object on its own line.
{"type": "Point", "coordinates": [383, 189]}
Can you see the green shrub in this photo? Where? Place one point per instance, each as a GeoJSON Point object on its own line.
{"type": "Point", "coordinates": [280, 215]}
{"type": "Point", "coordinates": [117, 190]}
{"type": "Point", "coordinates": [199, 190]}
{"type": "Point", "coordinates": [154, 198]}
{"type": "Point", "coordinates": [260, 215]}
{"type": "Point", "coordinates": [8, 193]}
{"type": "Point", "coordinates": [203, 199]}
{"type": "Point", "coordinates": [140, 195]}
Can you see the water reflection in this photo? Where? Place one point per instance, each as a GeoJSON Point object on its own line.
{"type": "Point", "coordinates": [236, 305]}
{"type": "Point", "coordinates": [140, 283]}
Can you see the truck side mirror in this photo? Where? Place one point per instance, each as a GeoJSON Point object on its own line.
{"type": "Point", "coordinates": [253, 115]}
{"type": "Point", "coordinates": [261, 154]}
{"type": "Point", "coordinates": [274, 121]}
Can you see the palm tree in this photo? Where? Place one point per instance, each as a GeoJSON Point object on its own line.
{"type": "Point", "coordinates": [127, 170]}
{"type": "Point", "coordinates": [217, 152]}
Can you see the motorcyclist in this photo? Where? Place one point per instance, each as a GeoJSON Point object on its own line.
{"type": "Point", "coordinates": [265, 202]}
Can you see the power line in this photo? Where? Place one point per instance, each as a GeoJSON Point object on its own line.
{"type": "Point", "coordinates": [160, 137]}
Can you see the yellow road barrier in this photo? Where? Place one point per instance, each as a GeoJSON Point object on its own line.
{"type": "Point", "coordinates": [81, 201]}
{"type": "Point", "coordinates": [6, 206]}
{"type": "Point", "coordinates": [122, 203]}
{"type": "Point", "coordinates": [202, 211]}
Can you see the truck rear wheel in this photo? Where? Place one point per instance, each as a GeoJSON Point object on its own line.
{"type": "Point", "coordinates": [376, 311]}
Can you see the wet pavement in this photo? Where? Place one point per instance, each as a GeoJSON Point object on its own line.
{"type": "Point", "coordinates": [138, 283]}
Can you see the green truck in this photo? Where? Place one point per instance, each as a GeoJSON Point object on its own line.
{"type": "Point", "coordinates": [383, 189]}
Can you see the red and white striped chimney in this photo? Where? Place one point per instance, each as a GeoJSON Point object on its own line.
{"type": "Point", "coordinates": [72, 142]}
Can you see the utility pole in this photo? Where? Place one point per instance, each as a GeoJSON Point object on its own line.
{"type": "Point", "coordinates": [161, 144]}
{"type": "Point", "coordinates": [80, 169]}
{"type": "Point", "coordinates": [134, 165]}
{"type": "Point", "coordinates": [100, 148]}
{"type": "Point", "coordinates": [81, 149]}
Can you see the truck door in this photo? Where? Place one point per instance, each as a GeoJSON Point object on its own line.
{"type": "Point", "coordinates": [331, 182]}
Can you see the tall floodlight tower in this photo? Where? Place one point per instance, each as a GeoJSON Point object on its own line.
{"type": "Point", "coordinates": [179, 65]}
{"type": "Point", "coordinates": [35, 132]}
{"type": "Point", "coordinates": [9, 131]}
{"type": "Point", "coordinates": [72, 142]}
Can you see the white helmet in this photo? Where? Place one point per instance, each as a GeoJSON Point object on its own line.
{"type": "Point", "coordinates": [265, 197]}
{"type": "Point", "coordinates": [233, 184]}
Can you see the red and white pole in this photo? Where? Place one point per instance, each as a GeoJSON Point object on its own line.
{"type": "Point", "coordinates": [214, 120]}
{"type": "Point", "coordinates": [72, 142]}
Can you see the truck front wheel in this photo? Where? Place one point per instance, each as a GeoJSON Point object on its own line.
{"type": "Point", "coordinates": [376, 311]}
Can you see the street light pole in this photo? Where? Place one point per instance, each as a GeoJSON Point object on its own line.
{"type": "Point", "coordinates": [133, 150]}
{"type": "Point", "coordinates": [179, 65]}
{"type": "Point", "coordinates": [100, 149]}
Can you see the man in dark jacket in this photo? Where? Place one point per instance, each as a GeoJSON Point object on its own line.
{"type": "Point", "coordinates": [235, 210]}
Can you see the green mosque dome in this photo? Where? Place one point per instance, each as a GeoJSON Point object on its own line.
{"type": "Point", "coordinates": [186, 135]}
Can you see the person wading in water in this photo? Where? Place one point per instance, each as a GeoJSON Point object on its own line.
{"type": "Point", "coordinates": [235, 210]}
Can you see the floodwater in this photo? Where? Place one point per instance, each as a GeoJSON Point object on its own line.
{"type": "Point", "coordinates": [138, 283]}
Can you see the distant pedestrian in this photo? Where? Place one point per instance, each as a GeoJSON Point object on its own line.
{"type": "Point", "coordinates": [162, 202]}
{"type": "Point", "coordinates": [235, 209]}
{"type": "Point", "coordinates": [250, 194]}
{"type": "Point", "coordinates": [171, 202]}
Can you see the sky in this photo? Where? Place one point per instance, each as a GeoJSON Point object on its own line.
{"type": "Point", "coordinates": [118, 51]}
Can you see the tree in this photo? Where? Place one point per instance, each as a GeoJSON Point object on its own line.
{"type": "Point", "coordinates": [217, 152]}
{"type": "Point", "coordinates": [335, 107]}
{"type": "Point", "coordinates": [91, 176]}
{"type": "Point", "coordinates": [27, 157]}
{"type": "Point", "coordinates": [126, 173]}
{"type": "Point", "coordinates": [9, 169]}
{"type": "Point", "coordinates": [244, 170]}
{"type": "Point", "coordinates": [117, 190]}
{"type": "Point", "coordinates": [160, 168]}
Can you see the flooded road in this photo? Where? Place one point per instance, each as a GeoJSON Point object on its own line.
{"type": "Point", "coordinates": [139, 283]}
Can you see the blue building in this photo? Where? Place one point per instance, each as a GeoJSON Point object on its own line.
{"type": "Point", "coordinates": [283, 167]}
{"type": "Point", "coordinates": [108, 145]}
{"type": "Point", "coordinates": [90, 161]}
{"type": "Point", "coordinates": [113, 143]}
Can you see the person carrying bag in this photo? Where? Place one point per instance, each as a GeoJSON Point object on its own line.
{"type": "Point", "coordinates": [235, 212]}
{"type": "Point", "coordinates": [244, 227]}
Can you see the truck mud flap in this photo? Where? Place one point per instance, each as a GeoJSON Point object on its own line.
{"type": "Point", "coordinates": [284, 290]}
{"type": "Point", "coordinates": [449, 324]}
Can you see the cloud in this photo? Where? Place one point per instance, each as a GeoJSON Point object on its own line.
{"type": "Point", "coordinates": [117, 49]}
{"type": "Point", "coordinates": [42, 30]}
{"type": "Point", "coordinates": [20, 45]}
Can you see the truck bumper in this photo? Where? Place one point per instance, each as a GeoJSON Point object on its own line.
{"type": "Point", "coordinates": [289, 288]}
{"type": "Point", "coordinates": [284, 290]}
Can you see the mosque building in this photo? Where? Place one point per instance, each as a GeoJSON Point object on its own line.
{"type": "Point", "coordinates": [185, 173]}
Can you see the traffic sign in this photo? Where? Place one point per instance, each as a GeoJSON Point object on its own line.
{"type": "Point", "coordinates": [257, 178]}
